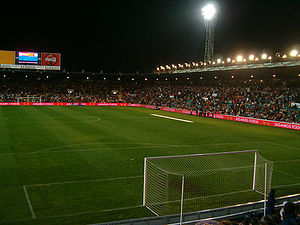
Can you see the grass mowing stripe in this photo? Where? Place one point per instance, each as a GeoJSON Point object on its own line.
{"type": "Point", "coordinates": [29, 202]}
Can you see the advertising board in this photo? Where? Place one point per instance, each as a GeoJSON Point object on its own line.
{"type": "Point", "coordinates": [30, 60]}
{"type": "Point", "coordinates": [7, 57]}
{"type": "Point", "coordinates": [50, 59]}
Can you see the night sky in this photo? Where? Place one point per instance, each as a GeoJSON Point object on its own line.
{"type": "Point", "coordinates": [132, 36]}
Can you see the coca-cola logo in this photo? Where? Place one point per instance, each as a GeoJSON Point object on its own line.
{"type": "Point", "coordinates": [51, 59]}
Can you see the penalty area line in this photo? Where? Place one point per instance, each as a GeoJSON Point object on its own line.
{"type": "Point", "coordinates": [172, 118]}
{"type": "Point", "coordinates": [29, 202]}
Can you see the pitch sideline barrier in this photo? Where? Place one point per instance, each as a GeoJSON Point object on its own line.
{"type": "Point", "coordinates": [231, 212]}
{"type": "Point", "coordinates": [271, 123]}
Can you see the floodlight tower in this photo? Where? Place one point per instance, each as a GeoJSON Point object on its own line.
{"type": "Point", "coordinates": [210, 18]}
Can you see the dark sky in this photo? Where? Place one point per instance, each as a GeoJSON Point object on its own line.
{"type": "Point", "coordinates": [131, 35]}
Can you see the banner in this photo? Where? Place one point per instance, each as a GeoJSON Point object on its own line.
{"type": "Point", "coordinates": [50, 59]}
{"type": "Point", "coordinates": [7, 57]}
{"type": "Point", "coordinates": [270, 123]}
{"type": "Point", "coordinates": [292, 126]}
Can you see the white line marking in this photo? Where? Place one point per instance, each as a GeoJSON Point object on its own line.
{"type": "Point", "coordinates": [285, 161]}
{"type": "Point", "coordinates": [287, 174]}
{"type": "Point", "coordinates": [83, 181]}
{"type": "Point", "coordinates": [172, 118]}
{"type": "Point", "coordinates": [29, 202]}
{"type": "Point", "coordinates": [78, 213]}
{"type": "Point", "coordinates": [46, 151]}
{"type": "Point", "coordinates": [286, 185]}
{"type": "Point", "coordinates": [94, 211]}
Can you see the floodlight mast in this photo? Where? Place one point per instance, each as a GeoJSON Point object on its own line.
{"type": "Point", "coordinates": [210, 18]}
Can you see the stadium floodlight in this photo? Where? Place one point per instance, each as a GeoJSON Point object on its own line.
{"type": "Point", "coordinates": [251, 57]}
{"type": "Point", "coordinates": [209, 13]}
{"type": "Point", "coordinates": [264, 56]}
{"type": "Point", "coordinates": [239, 58]}
{"type": "Point", "coordinates": [294, 53]}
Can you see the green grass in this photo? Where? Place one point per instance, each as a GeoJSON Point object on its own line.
{"type": "Point", "coordinates": [47, 149]}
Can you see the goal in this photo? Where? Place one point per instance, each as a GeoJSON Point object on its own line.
{"type": "Point", "coordinates": [29, 99]}
{"type": "Point", "coordinates": [190, 183]}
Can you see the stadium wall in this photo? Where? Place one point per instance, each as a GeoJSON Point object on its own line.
{"type": "Point", "coordinates": [270, 123]}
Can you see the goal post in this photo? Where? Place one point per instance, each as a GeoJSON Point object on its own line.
{"type": "Point", "coordinates": [29, 99]}
{"type": "Point", "coordinates": [190, 183]}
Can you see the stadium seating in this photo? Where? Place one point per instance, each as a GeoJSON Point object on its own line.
{"type": "Point", "coordinates": [257, 101]}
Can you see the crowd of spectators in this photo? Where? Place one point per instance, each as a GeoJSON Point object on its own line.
{"type": "Point", "coordinates": [288, 215]}
{"type": "Point", "coordinates": [276, 103]}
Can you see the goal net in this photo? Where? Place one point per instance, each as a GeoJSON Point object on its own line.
{"type": "Point", "coordinates": [29, 99]}
{"type": "Point", "coordinates": [190, 183]}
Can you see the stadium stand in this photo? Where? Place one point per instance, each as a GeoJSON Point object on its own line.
{"type": "Point", "coordinates": [261, 100]}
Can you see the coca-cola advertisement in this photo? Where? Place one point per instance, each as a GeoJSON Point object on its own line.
{"type": "Point", "coordinates": [50, 59]}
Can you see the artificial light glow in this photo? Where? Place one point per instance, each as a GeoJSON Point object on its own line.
{"type": "Point", "coordinates": [232, 77]}
{"type": "Point", "coordinates": [284, 56]}
{"type": "Point", "coordinates": [251, 57]}
{"type": "Point", "coordinates": [219, 61]}
{"type": "Point", "coordinates": [294, 53]}
{"type": "Point", "coordinates": [239, 58]}
{"type": "Point", "coordinates": [264, 56]}
{"type": "Point", "coordinates": [209, 12]}
{"type": "Point", "coordinates": [270, 57]}
{"type": "Point", "coordinates": [228, 59]}
{"type": "Point", "coordinates": [274, 75]}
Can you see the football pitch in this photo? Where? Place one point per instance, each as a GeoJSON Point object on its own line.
{"type": "Point", "coordinates": [84, 165]}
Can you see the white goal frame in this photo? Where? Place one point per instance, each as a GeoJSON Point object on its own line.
{"type": "Point", "coordinates": [29, 99]}
{"type": "Point", "coordinates": [256, 154]}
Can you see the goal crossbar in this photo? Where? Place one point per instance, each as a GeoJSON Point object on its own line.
{"type": "Point", "coordinates": [187, 183]}
{"type": "Point", "coordinates": [204, 154]}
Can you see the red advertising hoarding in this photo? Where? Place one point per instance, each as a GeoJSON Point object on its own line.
{"type": "Point", "coordinates": [50, 59]}
{"type": "Point", "coordinates": [292, 126]}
